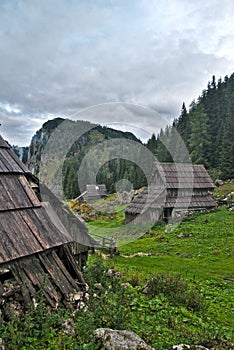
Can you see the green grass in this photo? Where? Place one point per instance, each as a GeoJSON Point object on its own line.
{"type": "Point", "coordinates": [190, 300]}
{"type": "Point", "coordinates": [116, 222]}
{"type": "Point", "coordinates": [206, 250]}
{"type": "Point", "coordinates": [224, 190]}
{"type": "Point", "coordinates": [204, 258]}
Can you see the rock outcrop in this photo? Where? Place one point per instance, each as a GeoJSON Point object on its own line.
{"type": "Point", "coordinates": [117, 339]}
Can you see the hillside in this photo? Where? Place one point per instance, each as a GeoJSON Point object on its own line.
{"type": "Point", "coordinates": [109, 173]}
{"type": "Point", "coordinates": [207, 130]}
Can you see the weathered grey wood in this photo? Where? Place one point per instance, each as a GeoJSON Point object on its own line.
{"type": "Point", "coordinates": [9, 162]}
{"type": "Point", "coordinates": [8, 247]}
{"type": "Point", "coordinates": [182, 186]}
{"type": "Point", "coordinates": [73, 264]}
{"type": "Point", "coordinates": [28, 190]}
{"type": "Point", "coordinates": [63, 270]}
{"type": "Point", "coordinates": [31, 235]}
{"type": "Point", "coordinates": [40, 279]}
{"type": "Point", "coordinates": [55, 273]}
{"type": "Point", "coordinates": [17, 161]}
{"type": "Point", "coordinates": [3, 143]}
{"type": "Point", "coordinates": [29, 291]}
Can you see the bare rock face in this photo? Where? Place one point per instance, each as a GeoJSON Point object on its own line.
{"type": "Point", "coordinates": [120, 340]}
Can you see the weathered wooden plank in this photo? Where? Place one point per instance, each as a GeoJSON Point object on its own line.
{"type": "Point", "coordinates": [4, 165]}
{"type": "Point", "coordinates": [17, 161]}
{"type": "Point", "coordinates": [81, 280]}
{"type": "Point", "coordinates": [45, 237]}
{"type": "Point", "coordinates": [3, 143]}
{"type": "Point", "coordinates": [37, 231]}
{"type": "Point", "coordinates": [28, 291]}
{"type": "Point", "coordinates": [42, 233]}
{"type": "Point", "coordinates": [13, 194]}
{"type": "Point", "coordinates": [8, 246]}
{"type": "Point", "coordinates": [63, 269]}
{"type": "Point", "coordinates": [24, 239]}
{"type": "Point", "coordinates": [55, 221]}
{"type": "Point", "coordinates": [30, 231]}
{"type": "Point", "coordinates": [3, 168]}
{"type": "Point", "coordinates": [36, 272]}
{"type": "Point", "coordinates": [53, 236]}
{"type": "Point", "coordinates": [33, 268]}
{"type": "Point", "coordinates": [55, 273]}
{"type": "Point", "coordinates": [24, 288]}
{"type": "Point", "coordinates": [5, 200]}
{"type": "Point", "coordinates": [29, 191]}
{"type": "Point", "coordinates": [9, 161]}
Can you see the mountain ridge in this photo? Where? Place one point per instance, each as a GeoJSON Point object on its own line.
{"type": "Point", "coordinates": [94, 134]}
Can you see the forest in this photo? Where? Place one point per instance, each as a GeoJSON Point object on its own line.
{"type": "Point", "coordinates": [207, 129]}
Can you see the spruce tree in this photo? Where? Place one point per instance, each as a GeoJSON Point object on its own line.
{"type": "Point", "coordinates": [152, 144]}
{"type": "Point", "coordinates": [182, 124]}
{"type": "Point", "coordinates": [227, 144]}
{"type": "Point", "coordinates": [199, 141]}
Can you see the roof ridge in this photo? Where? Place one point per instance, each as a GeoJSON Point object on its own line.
{"type": "Point", "coordinates": [4, 143]}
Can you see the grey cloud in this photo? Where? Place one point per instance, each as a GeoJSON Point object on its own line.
{"type": "Point", "coordinates": [18, 129]}
{"type": "Point", "coordinates": [60, 57]}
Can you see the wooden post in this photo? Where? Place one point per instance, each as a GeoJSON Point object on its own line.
{"type": "Point", "coordinates": [112, 247]}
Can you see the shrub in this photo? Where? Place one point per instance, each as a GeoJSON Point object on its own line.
{"type": "Point", "coordinates": [176, 290]}
{"type": "Point", "coordinates": [95, 273]}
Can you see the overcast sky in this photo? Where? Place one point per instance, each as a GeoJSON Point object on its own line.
{"type": "Point", "coordinates": [58, 57]}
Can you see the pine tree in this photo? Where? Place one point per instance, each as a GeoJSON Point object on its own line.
{"type": "Point", "coordinates": [152, 144]}
{"type": "Point", "coordinates": [182, 124]}
{"type": "Point", "coordinates": [199, 142]}
{"type": "Point", "coordinates": [163, 154]}
{"type": "Point", "coordinates": [227, 144]}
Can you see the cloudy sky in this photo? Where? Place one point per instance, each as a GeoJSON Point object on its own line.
{"type": "Point", "coordinates": [60, 57]}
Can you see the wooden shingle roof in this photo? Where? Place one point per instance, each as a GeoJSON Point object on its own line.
{"type": "Point", "coordinates": [26, 225]}
{"type": "Point", "coordinates": [27, 231]}
{"type": "Point", "coordinates": [146, 199]}
{"type": "Point", "coordinates": [16, 193]}
{"type": "Point", "coordinates": [10, 163]}
{"type": "Point", "coordinates": [195, 202]}
{"type": "Point", "coordinates": [183, 176]}
{"type": "Point", "coordinates": [3, 143]}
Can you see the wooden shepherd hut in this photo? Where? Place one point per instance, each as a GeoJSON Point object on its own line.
{"type": "Point", "coordinates": [35, 247]}
{"type": "Point", "coordinates": [93, 193]}
{"type": "Point", "coordinates": [173, 189]}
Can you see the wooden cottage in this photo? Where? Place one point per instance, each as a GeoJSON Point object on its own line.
{"type": "Point", "coordinates": [93, 192]}
{"type": "Point", "coordinates": [35, 247]}
{"type": "Point", "coordinates": [173, 189]}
